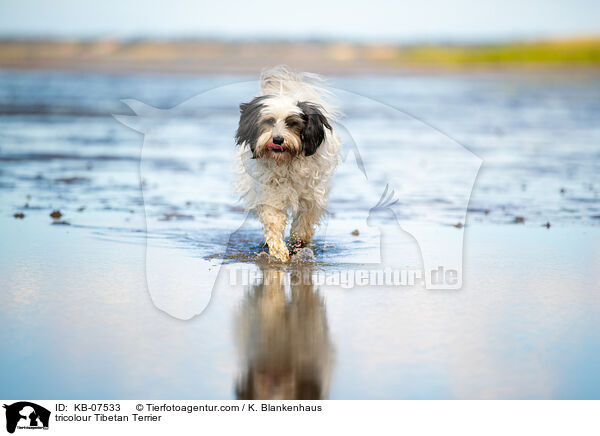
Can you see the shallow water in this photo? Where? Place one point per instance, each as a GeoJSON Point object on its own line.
{"type": "Point", "coordinates": [77, 322]}
{"type": "Point", "coordinates": [521, 326]}
{"type": "Point", "coordinates": [538, 137]}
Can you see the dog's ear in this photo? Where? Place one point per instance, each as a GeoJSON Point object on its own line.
{"type": "Point", "coordinates": [314, 126]}
{"type": "Point", "coordinates": [249, 126]}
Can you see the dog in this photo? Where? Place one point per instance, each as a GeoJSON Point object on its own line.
{"type": "Point", "coordinates": [288, 151]}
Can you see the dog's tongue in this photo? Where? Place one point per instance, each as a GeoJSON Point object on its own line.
{"type": "Point", "coordinates": [273, 146]}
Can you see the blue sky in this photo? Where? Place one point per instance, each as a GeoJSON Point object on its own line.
{"type": "Point", "coordinates": [422, 20]}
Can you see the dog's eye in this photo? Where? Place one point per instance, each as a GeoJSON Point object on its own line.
{"type": "Point", "coordinates": [292, 122]}
{"type": "Point", "coordinates": [270, 121]}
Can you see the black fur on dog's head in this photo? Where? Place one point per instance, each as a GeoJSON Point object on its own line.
{"type": "Point", "coordinates": [249, 126]}
{"type": "Point", "coordinates": [315, 123]}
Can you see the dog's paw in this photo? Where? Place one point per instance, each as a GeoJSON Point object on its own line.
{"type": "Point", "coordinates": [303, 255]}
{"type": "Point", "coordinates": [295, 244]}
{"type": "Point", "coordinates": [279, 251]}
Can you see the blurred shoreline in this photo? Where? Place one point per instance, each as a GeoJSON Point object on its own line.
{"type": "Point", "coordinates": [113, 56]}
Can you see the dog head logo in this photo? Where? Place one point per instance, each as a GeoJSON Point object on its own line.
{"type": "Point", "coordinates": [26, 415]}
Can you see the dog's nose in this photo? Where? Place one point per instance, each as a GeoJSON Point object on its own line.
{"type": "Point", "coordinates": [278, 140]}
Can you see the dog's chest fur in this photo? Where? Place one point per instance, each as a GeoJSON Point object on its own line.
{"type": "Point", "coordinates": [303, 182]}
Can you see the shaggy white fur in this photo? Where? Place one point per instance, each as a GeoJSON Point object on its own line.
{"type": "Point", "coordinates": [274, 188]}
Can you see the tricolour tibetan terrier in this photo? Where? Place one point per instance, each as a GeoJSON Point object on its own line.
{"type": "Point", "coordinates": [288, 152]}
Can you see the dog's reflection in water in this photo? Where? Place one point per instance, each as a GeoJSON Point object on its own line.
{"type": "Point", "coordinates": [283, 339]}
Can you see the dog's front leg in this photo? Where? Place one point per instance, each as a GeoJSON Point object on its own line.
{"type": "Point", "coordinates": [305, 221]}
{"type": "Point", "coordinates": [274, 222]}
